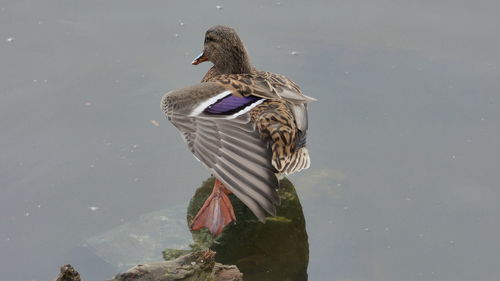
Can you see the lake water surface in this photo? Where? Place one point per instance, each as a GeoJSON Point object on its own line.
{"type": "Point", "coordinates": [404, 139]}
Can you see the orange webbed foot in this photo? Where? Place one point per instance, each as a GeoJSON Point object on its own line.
{"type": "Point", "coordinates": [216, 212]}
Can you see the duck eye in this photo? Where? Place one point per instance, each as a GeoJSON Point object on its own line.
{"type": "Point", "coordinates": [209, 39]}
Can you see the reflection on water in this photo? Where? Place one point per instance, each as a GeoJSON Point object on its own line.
{"type": "Point", "coordinates": [274, 251]}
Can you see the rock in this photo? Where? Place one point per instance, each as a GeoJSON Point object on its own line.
{"type": "Point", "coordinates": [276, 250]}
{"type": "Point", "coordinates": [68, 273]}
{"type": "Point", "coordinates": [227, 273]}
{"type": "Point", "coordinates": [196, 266]}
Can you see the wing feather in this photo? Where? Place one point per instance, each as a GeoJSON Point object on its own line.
{"type": "Point", "coordinates": [238, 178]}
{"type": "Point", "coordinates": [253, 157]}
{"type": "Point", "coordinates": [244, 167]}
{"type": "Point", "coordinates": [249, 201]}
{"type": "Point", "coordinates": [231, 148]}
{"type": "Point", "coordinates": [250, 147]}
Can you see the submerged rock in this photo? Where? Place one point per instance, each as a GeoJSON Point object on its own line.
{"type": "Point", "coordinates": [142, 240]}
{"type": "Point", "coordinates": [275, 250]}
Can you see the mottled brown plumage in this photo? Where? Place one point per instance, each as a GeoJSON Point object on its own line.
{"type": "Point", "coordinates": [275, 123]}
{"type": "Point", "coordinates": [274, 118]}
{"type": "Point", "coordinates": [247, 126]}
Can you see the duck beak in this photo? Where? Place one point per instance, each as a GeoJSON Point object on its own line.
{"type": "Point", "coordinates": [199, 59]}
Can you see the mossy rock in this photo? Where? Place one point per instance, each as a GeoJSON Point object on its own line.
{"type": "Point", "coordinates": [275, 250]}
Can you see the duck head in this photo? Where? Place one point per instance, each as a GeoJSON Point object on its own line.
{"type": "Point", "coordinates": [224, 48]}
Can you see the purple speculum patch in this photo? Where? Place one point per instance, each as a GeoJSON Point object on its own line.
{"type": "Point", "coordinates": [230, 104]}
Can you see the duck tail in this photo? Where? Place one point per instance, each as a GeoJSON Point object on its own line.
{"type": "Point", "coordinates": [299, 161]}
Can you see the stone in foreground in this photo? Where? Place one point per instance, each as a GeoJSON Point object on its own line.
{"type": "Point", "coordinates": [196, 266]}
{"type": "Point", "coordinates": [68, 273]}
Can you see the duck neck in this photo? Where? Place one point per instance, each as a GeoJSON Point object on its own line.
{"type": "Point", "coordinates": [237, 62]}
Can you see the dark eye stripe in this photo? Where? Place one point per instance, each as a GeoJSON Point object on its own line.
{"type": "Point", "coordinates": [209, 39]}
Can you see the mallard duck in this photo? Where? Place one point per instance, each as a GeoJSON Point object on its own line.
{"type": "Point", "coordinates": [247, 126]}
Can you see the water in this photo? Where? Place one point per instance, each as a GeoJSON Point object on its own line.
{"type": "Point", "coordinates": [404, 138]}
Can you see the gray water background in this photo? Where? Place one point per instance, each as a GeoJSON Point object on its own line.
{"type": "Point", "coordinates": [404, 138]}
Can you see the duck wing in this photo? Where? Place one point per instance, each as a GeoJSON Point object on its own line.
{"type": "Point", "coordinates": [218, 129]}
